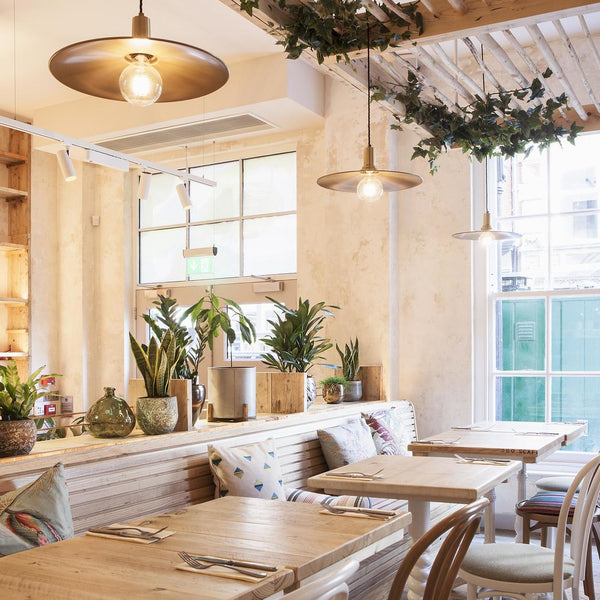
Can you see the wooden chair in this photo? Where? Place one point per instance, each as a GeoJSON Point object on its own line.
{"type": "Point", "coordinates": [330, 587]}
{"type": "Point", "coordinates": [518, 569]}
{"type": "Point", "coordinates": [461, 526]}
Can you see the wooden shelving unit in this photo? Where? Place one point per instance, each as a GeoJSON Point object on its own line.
{"type": "Point", "coordinates": [15, 152]}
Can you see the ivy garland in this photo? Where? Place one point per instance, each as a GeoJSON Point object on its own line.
{"type": "Point", "coordinates": [335, 27]}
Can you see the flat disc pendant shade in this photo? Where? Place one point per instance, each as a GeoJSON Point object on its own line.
{"type": "Point", "coordinates": [94, 67]}
{"type": "Point", "coordinates": [492, 235]}
{"type": "Point", "coordinates": [392, 181]}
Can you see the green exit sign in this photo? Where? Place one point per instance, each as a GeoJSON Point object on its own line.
{"type": "Point", "coordinates": [200, 265]}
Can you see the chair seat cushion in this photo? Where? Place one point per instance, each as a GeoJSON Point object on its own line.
{"type": "Point", "coordinates": [517, 563]}
{"type": "Point", "coordinates": [546, 503]}
{"type": "Point", "coordinates": [304, 496]}
{"type": "Point", "coordinates": [554, 484]}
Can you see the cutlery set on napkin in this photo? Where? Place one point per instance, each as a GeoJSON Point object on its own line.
{"type": "Point", "coordinates": [358, 511]}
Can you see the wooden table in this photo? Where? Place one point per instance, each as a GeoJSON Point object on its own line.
{"type": "Point", "coordinates": [421, 480]}
{"type": "Point", "coordinates": [527, 442]}
{"type": "Point", "coordinates": [294, 536]}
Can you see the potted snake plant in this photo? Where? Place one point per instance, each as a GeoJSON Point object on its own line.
{"type": "Point", "coordinates": [17, 431]}
{"type": "Point", "coordinates": [350, 366]}
{"type": "Point", "coordinates": [157, 411]}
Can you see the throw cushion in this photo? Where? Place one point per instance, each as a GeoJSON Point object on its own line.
{"type": "Point", "coordinates": [546, 503]}
{"type": "Point", "coordinates": [390, 436]}
{"type": "Point", "coordinates": [346, 444]}
{"type": "Point", "coordinates": [252, 471]}
{"type": "Point", "coordinates": [296, 495]}
{"type": "Point", "coordinates": [36, 514]}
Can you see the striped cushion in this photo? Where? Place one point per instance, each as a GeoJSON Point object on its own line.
{"type": "Point", "coordinates": [295, 495]}
{"type": "Point", "coordinates": [546, 503]}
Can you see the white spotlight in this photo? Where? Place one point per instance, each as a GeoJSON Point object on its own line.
{"type": "Point", "coordinates": [184, 197]}
{"type": "Point", "coordinates": [66, 165]}
{"type": "Point", "coordinates": [144, 186]}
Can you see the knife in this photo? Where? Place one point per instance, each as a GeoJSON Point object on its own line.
{"type": "Point", "coordinates": [354, 476]}
{"type": "Point", "coordinates": [234, 563]}
{"type": "Point", "coordinates": [123, 533]}
{"type": "Point", "coordinates": [367, 511]}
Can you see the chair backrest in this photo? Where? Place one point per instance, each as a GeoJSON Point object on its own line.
{"type": "Point", "coordinates": [461, 526]}
{"type": "Point", "coordinates": [588, 483]}
{"type": "Point", "coordinates": [332, 586]}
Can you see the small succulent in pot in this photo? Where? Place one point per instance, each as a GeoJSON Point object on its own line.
{"type": "Point", "coordinates": [350, 366]}
{"type": "Point", "coordinates": [333, 389]}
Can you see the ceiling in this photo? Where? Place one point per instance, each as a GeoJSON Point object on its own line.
{"type": "Point", "coordinates": [32, 30]}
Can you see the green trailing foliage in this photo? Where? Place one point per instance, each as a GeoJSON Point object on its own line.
{"type": "Point", "coordinates": [18, 397]}
{"type": "Point", "coordinates": [336, 27]}
{"type": "Point", "coordinates": [215, 315]}
{"type": "Point", "coordinates": [491, 126]}
{"type": "Point", "coordinates": [156, 363]}
{"type": "Point", "coordinates": [170, 317]}
{"type": "Point", "coordinates": [349, 358]}
{"type": "Point", "coordinates": [294, 344]}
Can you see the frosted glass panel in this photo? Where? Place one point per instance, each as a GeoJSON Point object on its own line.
{"type": "Point", "coordinates": [221, 202]}
{"type": "Point", "coordinates": [270, 245]}
{"type": "Point", "coordinates": [226, 237]}
{"type": "Point", "coordinates": [270, 184]}
{"type": "Point", "coordinates": [162, 207]}
{"type": "Point", "coordinates": [161, 255]}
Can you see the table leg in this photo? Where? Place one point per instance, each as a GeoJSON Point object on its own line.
{"type": "Point", "coordinates": [521, 495]}
{"type": "Point", "coordinates": [489, 520]}
{"type": "Point", "coordinates": [420, 510]}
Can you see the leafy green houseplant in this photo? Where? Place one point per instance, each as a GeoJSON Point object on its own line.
{"type": "Point", "coordinates": [350, 366]}
{"type": "Point", "coordinates": [231, 390]}
{"type": "Point", "coordinates": [17, 398]}
{"type": "Point", "coordinates": [333, 389]}
{"type": "Point", "coordinates": [294, 344]}
{"type": "Point", "coordinates": [157, 412]}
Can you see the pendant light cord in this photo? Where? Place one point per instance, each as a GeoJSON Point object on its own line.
{"type": "Point", "coordinates": [141, 7]}
{"type": "Point", "coordinates": [486, 158]}
{"type": "Point", "coordinates": [368, 83]}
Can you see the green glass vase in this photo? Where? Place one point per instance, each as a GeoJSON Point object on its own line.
{"type": "Point", "coordinates": [110, 416]}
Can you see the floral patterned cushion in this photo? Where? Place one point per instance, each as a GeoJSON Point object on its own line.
{"type": "Point", "coordinates": [36, 514]}
{"type": "Point", "coordinates": [296, 495]}
{"type": "Point", "coordinates": [346, 444]}
{"type": "Point", "coordinates": [252, 471]}
{"type": "Point", "coordinates": [389, 434]}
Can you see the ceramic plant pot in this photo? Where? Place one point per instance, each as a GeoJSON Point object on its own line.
{"type": "Point", "coordinates": [157, 415]}
{"type": "Point", "coordinates": [353, 391]}
{"type": "Point", "coordinates": [110, 416]}
{"type": "Point", "coordinates": [311, 390]}
{"type": "Point", "coordinates": [17, 437]}
{"type": "Point", "coordinates": [333, 393]}
{"type": "Point", "coordinates": [198, 399]}
{"type": "Point", "coordinates": [232, 392]}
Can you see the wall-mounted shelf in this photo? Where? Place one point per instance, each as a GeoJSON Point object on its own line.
{"type": "Point", "coordinates": [15, 355]}
{"type": "Point", "coordinates": [12, 194]}
{"type": "Point", "coordinates": [12, 158]}
{"type": "Point", "coordinates": [13, 301]}
{"type": "Point", "coordinates": [9, 247]}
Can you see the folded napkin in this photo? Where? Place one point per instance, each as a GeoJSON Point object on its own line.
{"type": "Point", "coordinates": [219, 571]}
{"type": "Point", "coordinates": [126, 538]}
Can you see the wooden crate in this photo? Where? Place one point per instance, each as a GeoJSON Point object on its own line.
{"type": "Point", "coordinates": [372, 383]}
{"type": "Point", "coordinates": [280, 393]}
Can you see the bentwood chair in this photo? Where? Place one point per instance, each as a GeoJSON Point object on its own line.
{"type": "Point", "coordinates": [518, 569]}
{"type": "Point", "coordinates": [330, 587]}
{"type": "Point", "coordinates": [461, 526]}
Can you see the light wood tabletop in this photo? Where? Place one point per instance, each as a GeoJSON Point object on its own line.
{"type": "Point", "coordinates": [293, 536]}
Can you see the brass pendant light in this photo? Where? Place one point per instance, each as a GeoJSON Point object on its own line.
{"type": "Point", "coordinates": [139, 69]}
{"type": "Point", "coordinates": [369, 183]}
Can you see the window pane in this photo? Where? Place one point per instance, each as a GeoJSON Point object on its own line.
{"type": "Point", "coordinates": [163, 206]}
{"type": "Point", "coordinates": [221, 202]}
{"type": "Point", "coordinates": [270, 184]}
{"type": "Point", "coordinates": [576, 334]}
{"type": "Point", "coordinates": [161, 255]}
{"type": "Point", "coordinates": [575, 251]}
{"type": "Point", "coordinates": [576, 398]}
{"type": "Point", "coordinates": [523, 185]}
{"type": "Point", "coordinates": [520, 398]}
{"type": "Point", "coordinates": [574, 171]}
{"type": "Point", "coordinates": [259, 314]}
{"type": "Point", "coordinates": [521, 340]}
{"type": "Point", "coordinates": [226, 237]}
{"type": "Point", "coordinates": [270, 245]}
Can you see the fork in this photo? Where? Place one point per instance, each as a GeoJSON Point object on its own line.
{"type": "Point", "coordinates": [135, 532]}
{"type": "Point", "coordinates": [339, 511]}
{"type": "Point", "coordinates": [357, 474]}
{"type": "Point", "coordinates": [493, 461]}
{"type": "Point", "coordinates": [196, 564]}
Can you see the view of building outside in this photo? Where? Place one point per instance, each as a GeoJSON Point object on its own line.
{"type": "Point", "coordinates": [545, 294]}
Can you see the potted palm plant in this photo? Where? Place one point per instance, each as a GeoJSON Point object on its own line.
{"type": "Point", "coordinates": [157, 411]}
{"type": "Point", "coordinates": [231, 390]}
{"type": "Point", "coordinates": [17, 431]}
{"type": "Point", "coordinates": [350, 365]}
{"type": "Point", "coordinates": [294, 344]}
